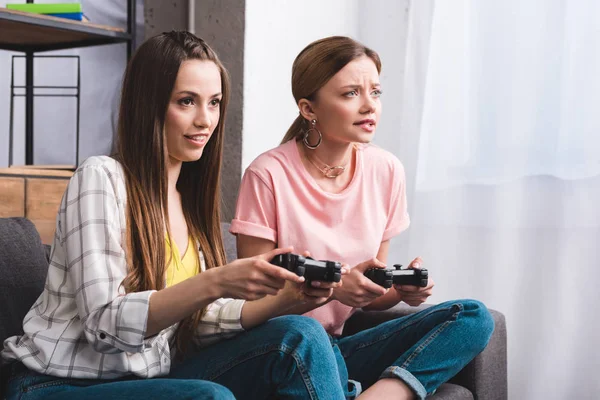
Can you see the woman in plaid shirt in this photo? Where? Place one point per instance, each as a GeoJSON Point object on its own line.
{"type": "Point", "coordinates": [133, 289]}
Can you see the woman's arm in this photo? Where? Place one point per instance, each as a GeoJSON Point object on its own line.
{"type": "Point", "coordinates": [175, 303]}
{"type": "Point", "coordinates": [171, 305]}
{"type": "Point", "coordinates": [398, 221]}
{"type": "Point", "coordinates": [248, 278]}
{"type": "Point", "coordinates": [294, 299]}
{"type": "Point", "coordinates": [392, 297]}
{"type": "Point", "coordinates": [256, 312]}
{"type": "Point", "coordinates": [89, 248]}
{"type": "Point", "coordinates": [250, 246]}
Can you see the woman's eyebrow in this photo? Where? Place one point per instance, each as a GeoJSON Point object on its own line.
{"type": "Point", "coordinates": [189, 92]}
{"type": "Point", "coordinates": [355, 86]}
{"type": "Point", "coordinates": [194, 94]}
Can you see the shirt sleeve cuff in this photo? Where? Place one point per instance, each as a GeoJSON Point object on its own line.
{"type": "Point", "coordinates": [231, 315]}
{"type": "Point", "coordinates": [252, 229]}
{"type": "Point", "coordinates": [131, 324]}
{"type": "Point", "coordinates": [396, 229]}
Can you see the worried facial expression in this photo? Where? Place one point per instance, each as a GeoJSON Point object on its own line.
{"type": "Point", "coordinates": [348, 107]}
{"type": "Point", "coordinates": [194, 109]}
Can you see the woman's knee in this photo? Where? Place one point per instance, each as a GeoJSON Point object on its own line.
{"type": "Point", "coordinates": [305, 338]}
{"type": "Point", "coordinates": [481, 321]}
{"type": "Point", "coordinates": [300, 326]}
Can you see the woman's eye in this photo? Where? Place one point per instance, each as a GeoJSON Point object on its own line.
{"type": "Point", "coordinates": [215, 102]}
{"type": "Point", "coordinates": [351, 93]}
{"type": "Point", "coordinates": [188, 101]}
{"type": "Point", "coordinates": [377, 93]}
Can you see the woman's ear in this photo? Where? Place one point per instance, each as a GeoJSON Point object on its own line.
{"type": "Point", "coordinates": [306, 109]}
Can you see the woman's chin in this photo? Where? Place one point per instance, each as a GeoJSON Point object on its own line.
{"type": "Point", "coordinates": [365, 139]}
{"type": "Point", "coordinates": [196, 156]}
{"type": "Point", "coordinates": [189, 156]}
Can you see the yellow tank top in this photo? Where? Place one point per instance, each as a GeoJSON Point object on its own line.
{"type": "Point", "coordinates": [181, 268]}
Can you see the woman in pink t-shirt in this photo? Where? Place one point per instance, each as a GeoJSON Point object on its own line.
{"type": "Point", "coordinates": [327, 190]}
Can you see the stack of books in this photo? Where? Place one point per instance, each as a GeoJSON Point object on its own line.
{"type": "Point", "coordinates": [61, 10]}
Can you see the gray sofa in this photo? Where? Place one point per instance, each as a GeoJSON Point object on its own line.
{"type": "Point", "coordinates": [24, 264]}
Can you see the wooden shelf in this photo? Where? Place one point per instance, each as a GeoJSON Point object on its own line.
{"type": "Point", "coordinates": [49, 166]}
{"type": "Point", "coordinates": [34, 194]}
{"type": "Point", "coordinates": [22, 31]}
{"type": "Point", "coordinates": [35, 171]}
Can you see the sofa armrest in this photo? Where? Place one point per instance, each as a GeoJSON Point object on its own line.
{"type": "Point", "coordinates": [485, 376]}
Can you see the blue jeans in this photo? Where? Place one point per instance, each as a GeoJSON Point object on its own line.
{"type": "Point", "coordinates": [424, 349]}
{"type": "Point", "coordinates": [288, 357]}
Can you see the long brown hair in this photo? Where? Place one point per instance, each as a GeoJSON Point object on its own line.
{"type": "Point", "coordinates": [149, 80]}
{"type": "Point", "coordinates": [317, 64]}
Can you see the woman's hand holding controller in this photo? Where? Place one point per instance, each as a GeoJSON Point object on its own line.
{"type": "Point", "coordinates": [311, 294]}
{"type": "Point", "coordinates": [358, 290]}
{"type": "Point", "coordinates": [253, 278]}
{"type": "Point", "coordinates": [415, 295]}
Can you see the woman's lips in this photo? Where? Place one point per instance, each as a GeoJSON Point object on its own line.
{"type": "Point", "coordinates": [366, 125]}
{"type": "Point", "coordinates": [198, 140]}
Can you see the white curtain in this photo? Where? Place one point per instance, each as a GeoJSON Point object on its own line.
{"type": "Point", "coordinates": [500, 138]}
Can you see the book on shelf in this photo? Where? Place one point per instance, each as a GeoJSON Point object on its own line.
{"type": "Point", "coordinates": [73, 16]}
{"type": "Point", "coordinates": [49, 8]}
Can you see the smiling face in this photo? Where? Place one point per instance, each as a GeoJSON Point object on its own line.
{"type": "Point", "coordinates": [194, 110]}
{"type": "Point", "coordinates": [347, 108]}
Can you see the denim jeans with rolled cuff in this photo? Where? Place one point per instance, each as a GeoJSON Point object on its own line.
{"type": "Point", "coordinates": [424, 349]}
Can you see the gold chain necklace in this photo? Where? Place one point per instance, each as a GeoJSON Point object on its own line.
{"type": "Point", "coordinates": [328, 171]}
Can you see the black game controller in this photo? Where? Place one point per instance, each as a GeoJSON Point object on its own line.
{"type": "Point", "coordinates": [387, 277]}
{"type": "Point", "coordinates": [309, 268]}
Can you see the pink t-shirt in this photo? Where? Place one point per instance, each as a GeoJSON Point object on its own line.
{"type": "Point", "coordinates": [281, 202]}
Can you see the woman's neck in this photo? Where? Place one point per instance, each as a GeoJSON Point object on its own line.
{"type": "Point", "coordinates": [178, 229]}
{"type": "Point", "coordinates": [173, 171]}
{"type": "Point", "coordinates": [331, 153]}
{"type": "Point", "coordinates": [337, 180]}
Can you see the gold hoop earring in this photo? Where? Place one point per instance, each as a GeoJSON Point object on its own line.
{"type": "Point", "coordinates": [307, 132]}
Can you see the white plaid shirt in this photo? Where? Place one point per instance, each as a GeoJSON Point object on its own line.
{"type": "Point", "coordinates": [83, 325]}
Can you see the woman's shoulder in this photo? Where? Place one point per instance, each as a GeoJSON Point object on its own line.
{"type": "Point", "coordinates": [100, 168]}
{"type": "Point", "coordinates": [104, 162]}
{"type": "Point", "coordinates": [272, 160]}
{"type": "Point", "coordinates": [107, 164]}
{"type": "Point", "coordinates": [381, 159]}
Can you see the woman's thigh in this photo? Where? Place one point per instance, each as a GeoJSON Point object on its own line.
{"type": "Point", "coordinates": [42, 387]}
{"type": "Point", "coordinates": [290, 357]}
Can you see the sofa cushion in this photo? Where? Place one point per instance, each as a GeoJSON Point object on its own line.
{"type": "Point", "coordinates": [23, 267]}
{"type": "Point", "coordinates": [450, 391]}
